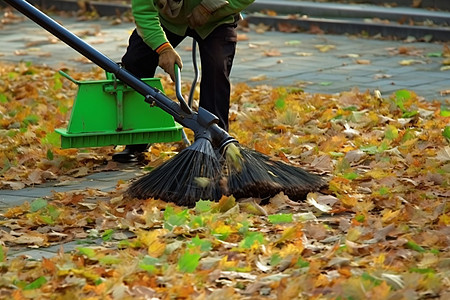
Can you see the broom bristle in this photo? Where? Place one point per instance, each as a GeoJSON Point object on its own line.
{"type": "Point", "coordinates": [190, 175]}
{"type": "Point", "coordinates": [253, 174]}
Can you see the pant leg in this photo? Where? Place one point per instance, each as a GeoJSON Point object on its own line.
{"type": "Point", "coordinates": [217, 53]}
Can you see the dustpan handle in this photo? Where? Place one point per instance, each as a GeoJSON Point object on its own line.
{"type": "Point", "coordinates": [184, 106]}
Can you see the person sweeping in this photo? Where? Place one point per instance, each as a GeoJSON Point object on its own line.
{"type": "Point", "coordinates": [215, 165]}
{"type": "Point", "coordinates": [161, 25]}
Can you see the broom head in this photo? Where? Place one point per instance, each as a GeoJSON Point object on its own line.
{"type": "Point", "coordinates": [252, 174]}
{"type": "Point", "coordinates": [190, 175]}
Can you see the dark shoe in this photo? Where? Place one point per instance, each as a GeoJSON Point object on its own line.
{"type": "Point", "coordinates": [129, 154]}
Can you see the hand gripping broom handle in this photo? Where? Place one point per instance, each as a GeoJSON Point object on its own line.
{"type": "Point", "coordinates": [203, 123]}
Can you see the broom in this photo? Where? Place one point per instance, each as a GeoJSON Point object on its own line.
{"type": "Point", "coordinates": [243, 172]}
{"type": "Point", "coordinates": [195, 173]}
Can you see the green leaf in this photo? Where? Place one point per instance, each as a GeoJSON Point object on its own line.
{"type": "Point", "coordinates": [51, 138]}
{"type": "Point", "coordinates": [251, 239]}
{"type": "Point", "coordinates": [275, 259]}
{"type": "Point", "coordinates": [53, 212]}
{"type": "Point", "coordinates": [280, 103]}
{"type": "Point", "coordinates": [196, 222]}
{"type": "Point", "coordinates": [292, 43]}
{"type": "Point", "coordinates": [350, 176]}
{"type": "Point", "coordinates": [409, 135]}
{"type": "Point", "coordinates": [36, 284]}
{"type": "Point", "coordinates": [107, 234]}
{"type": "Point", "coordinates": [148, 264]}
{"type": "Point", "coordinates": [38, 204]}
{"type": "Point", "coordinates": [173, 219]}
{"type": "Point", "coordinates": [3, 98]}
{"type": "Point", "coordinates": [31, 119]}
{"type": "Point", "coordinates": [47, 220]}
{"type": "Point", "coordinates": [204, 245]}
{"type": "Point", "coordinates": [57, 83]}
{"type": "Point", "coordinates": [369, 149]}
{"type": "Point", "coordinates": [302, 263]}
{"type": "Point", "coordinates": [50, 155]}
{"type": "Point", "coordinates": [445, 110]}
{"type": "Point", "coordinates": [360, 218]}
{"type": "Point", "coordinates": [391, 132]}
{"type": "Point", "coordinates": [203, 206]}
{"type": "Point", "coordinates": [188, 262]}
{"type": "Point", "coordinates": [422, 270]}
{"type": "Point", "coordinates": [446, 132]}
{"type": "Point", "coordinates": [245, 225]}
{"type": "Point", "coordinates": [383, 147]}
{"type": "Point", "coordinates": [403, 95]}
{"type": "Point", "coordinates": [2, 254]}
{"type": "Point", "coordinates": [351, 108]}
{"type": "Point", "coordinates": [409, 114]}
{"type": "Point", "coordinates": [88, 252]}
{"type": "Point", "coordinates": [336, 154]}
{"type": "Point", "coordinates": [280, 218]}
{"type": "Point", "coordinates": [434, 54]}
{"type": "Point", "coordinates": [383, 191]}
{"type": "Point", "coordinates": [110, 260]}
{"type": "Point", "coordinates": [412, 245]}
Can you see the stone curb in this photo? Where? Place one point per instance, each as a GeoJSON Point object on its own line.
{"type": "Point", "coordinates": [360, 11]}
{"type": "Point", "coordinates": [331, 26]}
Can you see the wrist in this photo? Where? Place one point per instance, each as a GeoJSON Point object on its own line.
{"type": "Point", "coordinates": [164, 47]}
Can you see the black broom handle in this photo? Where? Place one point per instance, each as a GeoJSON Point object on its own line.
{"type": "Point", "coordinates": [187, 119]}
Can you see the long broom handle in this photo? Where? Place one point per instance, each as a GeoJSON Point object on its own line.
{"type": "Point", "coordinates": [187, 119]}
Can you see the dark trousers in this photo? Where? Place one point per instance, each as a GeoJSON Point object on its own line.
{"type": "Point", "coordinates": [217, 52]}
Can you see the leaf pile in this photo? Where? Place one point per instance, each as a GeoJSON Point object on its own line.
{"type": "Point", "coordinates": [380, 229]}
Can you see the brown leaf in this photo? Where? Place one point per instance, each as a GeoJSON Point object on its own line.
{"type": "Point", "coordinates": [315, 29]}
{"type": "Point", "coordinates": [288, 27]}
{"type": "Point", "coordinates": [272, 52]}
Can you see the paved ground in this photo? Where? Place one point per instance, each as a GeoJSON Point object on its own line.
{"type": "Point", "coordinates": [268, 57]}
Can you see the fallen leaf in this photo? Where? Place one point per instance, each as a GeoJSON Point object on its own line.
{"type": "Point", "coordinates": [325, 48]}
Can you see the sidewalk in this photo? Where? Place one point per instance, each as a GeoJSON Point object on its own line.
{"type": "Point", "coordinates": [314, 62]}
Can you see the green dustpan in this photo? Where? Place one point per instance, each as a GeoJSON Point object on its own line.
{"type": "Point", "coordinates": [108, 112]}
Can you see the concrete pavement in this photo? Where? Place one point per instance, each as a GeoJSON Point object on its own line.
{"type": "Point", "coordinates": [317, 63]}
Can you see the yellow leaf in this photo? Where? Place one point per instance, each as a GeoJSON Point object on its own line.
{"type": "Point", "coordinates": [363, 62]}
{"type": "Point", "coordinates": [377, 174]}
{"type": "Point", "coordinates": [408, 62]}
{"type": "Point", "coordinates": [389, 216]}
{"type": "Point", "coordinates": [348, 201]}
{"type": "Point", "coordinates": [325, 48]}
{"type": "Point", "coordinates": [152, 240]}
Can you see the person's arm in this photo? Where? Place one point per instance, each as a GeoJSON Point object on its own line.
{"type": "Point", "coordinates": [147, 23]}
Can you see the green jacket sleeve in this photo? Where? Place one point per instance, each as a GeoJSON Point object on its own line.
{"type": "Point", "coordinates": [147, 23]}
{"type": "Point", "coordinates": [148, 19]}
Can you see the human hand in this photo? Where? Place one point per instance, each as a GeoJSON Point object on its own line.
{"type": "Point", "coordinates": [198, 17]}
{"type": "Point", "coordinates": [168, 57]}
